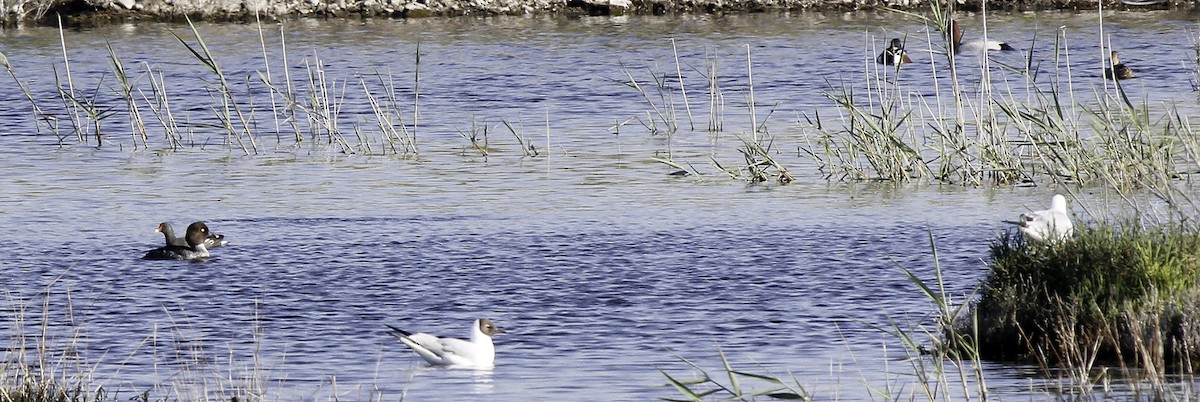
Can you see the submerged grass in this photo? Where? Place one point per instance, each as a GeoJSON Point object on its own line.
{"type": "Point", "coordinates": [47, 360]}
{"type": "Point", "coordinates": [935, 372]}
{"type": "Point", "coordinates": [1028, 127]}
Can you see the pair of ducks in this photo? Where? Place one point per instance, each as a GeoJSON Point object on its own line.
{"type": "Point", "coordinates": [894, 54]}
{"type": "Point", "coordinates": [192, 246]}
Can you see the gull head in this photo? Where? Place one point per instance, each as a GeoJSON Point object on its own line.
{"type": "Point", "coordinates": [487, 327]}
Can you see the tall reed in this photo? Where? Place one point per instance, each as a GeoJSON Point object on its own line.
{"type": "Point", "coordinates": [229, 110]}
{"type": "Point", "coordinates": [50, 358]}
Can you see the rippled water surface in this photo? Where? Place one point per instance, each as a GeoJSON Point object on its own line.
{"type": "Point", "coordinates": [601, 265]}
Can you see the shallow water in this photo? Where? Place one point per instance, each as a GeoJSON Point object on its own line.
{"type": "Point", "coordinates": [601, 265]}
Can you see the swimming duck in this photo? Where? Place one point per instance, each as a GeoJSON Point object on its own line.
{"type": "Point", "coordinates": [477, 352]}
{"type": "Point", "coordinates": [213, 239]}
{"type": "Point", "coordinates": [195, 237]}
{"type": "Point", "coordinates": [974, 46]}
{"type": "Point", "coordinates": [894, 54]}
{"type": "Point", "coordinates": [1118, 70]}
{"type": "Point", "coordinates": [1047, 226]}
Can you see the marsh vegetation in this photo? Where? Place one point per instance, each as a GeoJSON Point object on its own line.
{"type": "Point", "coordinates": [1033, 130]}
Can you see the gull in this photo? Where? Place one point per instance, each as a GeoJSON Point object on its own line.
{"type": "Point", "coordinates": [438, 351]}
{"type": "Point", "coordinates": [1047, 226]}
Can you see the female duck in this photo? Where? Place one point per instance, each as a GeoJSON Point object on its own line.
{"type": "Point", "coordinates": [195, 236]}
{"type": "Point", "coordinates": [974, 46]}
{"type": "Point", "coordinates": [894, 54]}
{"type": "Point", "coordinates": [1118, 71]}
{"type": "Point", "coordinates": [213, 239]}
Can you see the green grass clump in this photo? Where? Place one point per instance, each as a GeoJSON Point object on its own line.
{"type": "Point", "coordinates": [1124, 294]}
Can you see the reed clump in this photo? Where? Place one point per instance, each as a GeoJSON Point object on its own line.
{"type": "Point", "coordinates": [1113, 294]}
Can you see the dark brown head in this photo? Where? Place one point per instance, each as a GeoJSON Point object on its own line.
{"type": "Point", "coordinates": [489, 328]}
{"type": "Point", "coordinates": [196, 233]}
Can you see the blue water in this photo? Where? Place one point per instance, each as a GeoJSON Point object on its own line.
{"type": "Point", "coordinates": [603, 267]}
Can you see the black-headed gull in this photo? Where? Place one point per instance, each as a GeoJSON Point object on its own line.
{"type": "Point", "coordinates": [438, 351]}
{"type": "Point", "coordinates": [1047, 226]}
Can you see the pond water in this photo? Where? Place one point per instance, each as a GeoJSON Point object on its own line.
{"type": "Point", "coordinates": [603, 266]}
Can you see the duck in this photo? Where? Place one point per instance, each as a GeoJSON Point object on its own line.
{"type": "Point", "coordinates": [212, 241]}
{"type": "Point", "coordinates": [1048, 226]}
{"type": "Point", "coordinates": [894, 54]}
{"type": "Point", "coordinates": [195, 237]}
{"type": "Point", "coordinates": [477, 352]}
{"type": "Point", "coordinates": [1118, 71]}
{"type": "Point", "coordinates": [974, 46]}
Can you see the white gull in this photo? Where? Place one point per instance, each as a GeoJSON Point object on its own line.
{"type": "Point", "coordinates": [477, 352]}
{"type": "Point", "coordinates": [1047, 226]}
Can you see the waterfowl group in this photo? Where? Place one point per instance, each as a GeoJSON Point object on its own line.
{"type": "Point", "coordinates": [474, 352]}
{"type": "Point", "coordinates": [194, 245]}
{"type": "Point", "coordinates": [1117, 70]}
{"type": "Point", "coordinates": [894, 54]}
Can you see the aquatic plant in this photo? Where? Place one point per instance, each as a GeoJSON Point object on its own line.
{"type": "Point", "coordinates": [46, 360]}
{"type": "Point", "coordinates": [756, 150]}
{"type": "Point", "coordinates": [41, 365]}
{"type": "Point", "coordinates": [936, 372]}
{"type": "Point", "coordinates": [704, 387]}
{"type": "Point", "coordinates": [1116, 304]}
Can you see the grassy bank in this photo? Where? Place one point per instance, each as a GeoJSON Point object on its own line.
{"type": "Point", "coordinates": [1112, 314]}
{"type": "Point", "coordinates": [15, 12]}
{"type": "Point", "coordinates": [1122, 295]}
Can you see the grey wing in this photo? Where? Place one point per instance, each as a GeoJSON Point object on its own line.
{"type": "Point", "coordinates": [428, 346]}
{"type": "Point", "coordinates": [458, 351]}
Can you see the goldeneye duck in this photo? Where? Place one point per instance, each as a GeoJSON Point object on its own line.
{"type": "Point", "coordinates": [1118, 70]}
{"type": "Point", "coordinates": [213, 239]}
{"type": "Point", "coordinates": [894, 54]}
{"type": "Point", "coordinates": [974, 46]}
{"type": "Point", "coordinates": [195, 237]}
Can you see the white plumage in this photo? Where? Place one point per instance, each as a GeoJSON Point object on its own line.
{"type": "Point", "coordinates": [1047, 226]}
{"type": "Point", "coordinates": [476, 352]}
{"type": "Point", "coordinates": [977, 46]}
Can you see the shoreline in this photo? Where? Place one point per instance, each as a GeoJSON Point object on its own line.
{"type": "Point", "coordinates": [98, 12]}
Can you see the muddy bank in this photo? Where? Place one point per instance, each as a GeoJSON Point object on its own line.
{"type": "Point", "coordinates": [100, 11]}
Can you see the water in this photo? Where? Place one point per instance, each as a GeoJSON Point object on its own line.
{"type": "Point", "coordinates": [601, 265]}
